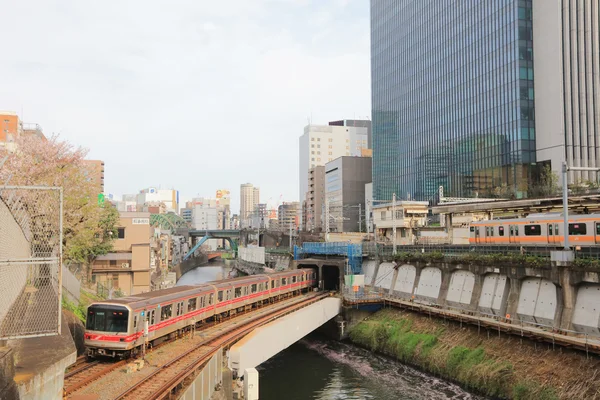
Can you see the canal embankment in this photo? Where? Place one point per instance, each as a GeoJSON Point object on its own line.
{"type": "Point", "coordinates": [485, 361]}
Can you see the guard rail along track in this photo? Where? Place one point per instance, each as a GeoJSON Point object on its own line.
{"type": "Point", "coordinates": [169, 377]}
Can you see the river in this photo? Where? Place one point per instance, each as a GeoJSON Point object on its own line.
{"type": "Point", "coordinates": [322, 369]}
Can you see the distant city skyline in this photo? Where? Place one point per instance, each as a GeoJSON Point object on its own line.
{"type": "Point", "coordinates": [213, 99]}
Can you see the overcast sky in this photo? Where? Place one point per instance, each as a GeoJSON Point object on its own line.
{"type": "Point", "coordinates": [195, 95]}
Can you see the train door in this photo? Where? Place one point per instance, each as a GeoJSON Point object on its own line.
{"type": "Point", "coordinates": [476, 232]}
{"type": "Point", "coordinates": [550, 233]}
{"type": "Point", "coordinates": [511, 234]}
{"type": "Point", "coordinates": [597, 232]}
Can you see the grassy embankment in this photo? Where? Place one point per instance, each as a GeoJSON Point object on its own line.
{"type": "Point", "coordinates": [501, 367]}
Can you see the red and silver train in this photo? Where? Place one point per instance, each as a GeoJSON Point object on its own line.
{"type": "Point", "coordinates": [115, 328]}
{"type": "Point", "coordinates": [537, 230]}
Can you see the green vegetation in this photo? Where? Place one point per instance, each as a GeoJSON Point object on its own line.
{"type": "Point", "coordinates": [475, 258]}
{"type": "Point", "coordinates": [392, 334]}
{"type": "Point", "coordinates": [78, 310]}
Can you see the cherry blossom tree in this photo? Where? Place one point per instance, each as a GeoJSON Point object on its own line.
{"type": "Point", "coordinates": [88, 228]}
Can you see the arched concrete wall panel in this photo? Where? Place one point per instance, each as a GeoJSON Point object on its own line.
{"type": "Point", "coordinates": [369, 271]}
{"type": "Point", "coordinates": [545, 308]}
{"type": "Point", "coordinates": [494, 293]}
{"type": "Point", "coordinates": [461, 287]}
{"type": "Point", "coordinates": [405, 282]}
{"type": "Point", "coordinates": [537, 301]}
{"type": "Point", "coordinates": [429, 285]}
{"type": "Point", "coordinates": [385, 276]}
{"type": "Point", "coordinates": [586, 317]}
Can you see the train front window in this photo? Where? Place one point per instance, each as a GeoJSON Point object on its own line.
{"type": "Point", "coordinates": [107, 319]}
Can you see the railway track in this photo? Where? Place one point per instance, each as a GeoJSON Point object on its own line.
{"type": "Point", "coordinates": [87, 373]}
{"type": "Point", "coordinates": [161, 382]}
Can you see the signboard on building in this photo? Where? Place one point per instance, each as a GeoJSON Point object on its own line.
{"type": "Point", "coordinates": [140, 221]}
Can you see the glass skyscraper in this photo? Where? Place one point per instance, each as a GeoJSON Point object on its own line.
{"type": "Point", "coordinates": [452, 97]}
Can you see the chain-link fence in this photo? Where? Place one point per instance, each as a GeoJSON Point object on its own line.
{"type": "Point", "coordinates": [30, 261]}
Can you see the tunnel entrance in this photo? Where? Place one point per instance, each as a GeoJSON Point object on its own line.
{"type": "Point", "coordinates": [331, 277]}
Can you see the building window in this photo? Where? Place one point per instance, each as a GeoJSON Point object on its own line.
{"type": "Point", "coordinates": [318, 152]}
{"type": "Point", "coordinates": [318, 139]}
{"type": "Point", "coordinates": [330, 139]}
{"type": "Point", "coordinates": [312, 152]}
{"type": "Point", "coordinates": [330, 159]}
{"type": "Point", "coordinates": [312, 146]}
{"type": "Point", "coordinates": [312, 139]}
{"type": "Point", "coordinates": [347, 147]}
{"type": "Point", "coordinates": [383, 215]}
{"type": "Point", "coordinates": [312, 159]}
{"type": "Point", "coordinates": [318, 159]}
{"type": "Point", "coordinates": [347, 140]}
{"type": "Point", "coordinates": [330, 153]}
{"type": "Point", "coordinates": [120, 233]}
{"type": "Point", "coordinates": [319, 146]}
{"type": "Point", "coordinates": [330, 146]}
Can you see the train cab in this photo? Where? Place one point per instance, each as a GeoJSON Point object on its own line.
{"type": "Point", "coordinates": [107, 329]}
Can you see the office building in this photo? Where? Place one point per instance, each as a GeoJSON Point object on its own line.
{"type": "Point", "coordinates": [151, 195]}
{"type": "Point", "coordinates": [315, 197]}
{"type": "Point", "coordinates": [477, 95]}
{"type": "Point", "coordinates": [128, 267]}
{"type": "Point", "coordinates": [323, 143]}
{"type": "Point", "coordinates": [288, 216]}
{"type": "Point", "coordinates": [345, 180]}
{"type": "Point", "coordinates": [94, 170]}
{"type": "Point", "coordinates": [249, 199]}
{"type": "Point", "coordinates": [12, 127]}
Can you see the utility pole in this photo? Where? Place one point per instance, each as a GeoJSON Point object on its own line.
{"type": "Point", "coordinates": [565, 205]}
{"type": "Point", "coordinates": [394, 221]}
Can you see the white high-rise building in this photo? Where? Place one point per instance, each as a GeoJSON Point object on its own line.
{"type": "Point", "coordinates": [249, 199]}
{"type": "Point", "coordinates": [323, 143]}
{"type": "Point", "coordinates": [154, 195]}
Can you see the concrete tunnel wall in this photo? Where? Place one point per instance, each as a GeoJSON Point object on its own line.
{"type": "Point", "coordinates": [556, 297]}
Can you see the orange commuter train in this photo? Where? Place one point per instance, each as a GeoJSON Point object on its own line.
{"type": "Point", "coordinates": [537, 230]}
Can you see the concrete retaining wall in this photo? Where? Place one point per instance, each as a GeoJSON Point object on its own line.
{"type": "Point", "coordinates": [204, 384]}
{"type": "Point", "coordinates": [558, 297]}
{"type": "Point", "coordinates": [252, 254]}
{"type": "Point", "coordinates": [13, 245]}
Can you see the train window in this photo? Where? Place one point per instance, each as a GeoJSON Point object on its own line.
{"type": "Point", "coordinates": [597, 229]}
{"type": "Point", "coordinates": [283, 281]}
{"type": "Point", "coordinates": [577, 229]}
{"type": "Point", "coordinates": [500, 231]}
{"type": "Point", "coordinates": [178, 309]}
{"type": "Point", "coordinates": [533, 230]}
{"type": "Point", "coordinates": [166, 312]}
{"type": "Point", "coordinates": [556, 229]}
{"type": "Point", "coordinates": [253, 288]}
{"type": "Point", "coordinates": [238, 292]}
{"type": "Point", "coordinates": [293, 279]}
{"type": "Point", "coordinates": [191, 304]}
{"type": "Point", "coordinates": [273, 284]}
{"type": "Point", "coordinates": [107, 318]}
{"type": "Point", "coordinates": [229, 295]}
{"type": "Point", "coordinates": [516, 230]}
{"type": "Point", "coordinates": [135, 321]}
{"type": "Point", "coordinates": [211, 298]}
{"type": "Point", "coordinates": [472, 229]}
{"type": "Point", "coordinates": [220, 296]}
{"type": "Point", "coordinates": [550, 230]}
{"type": "Point", "coordinates": [512, 230]}
{"type": "Point", "coordinates": [152, 319]}
{"type": "Point", "coordinates": [245, 290]}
